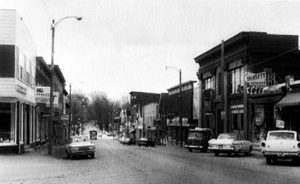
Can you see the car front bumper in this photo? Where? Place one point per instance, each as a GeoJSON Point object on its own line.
{"type": "Point", "coordinates": [86, 152]}
{"type": "Point", "coordinates": [281, 154]}
{"type": "Point", "coordinates": [220, 150]}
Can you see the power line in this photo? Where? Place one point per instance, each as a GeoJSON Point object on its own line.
{"type": "Point", "coordinates": [274, 57]}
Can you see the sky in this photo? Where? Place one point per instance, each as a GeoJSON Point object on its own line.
{"type": "Point", "coordinates": [124, 45]}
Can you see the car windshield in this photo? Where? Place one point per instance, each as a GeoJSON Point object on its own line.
{"type": "Point", "coordinates": [281, 135]}
{"type": "Point", "coordinates": [227, 136]}
{"type": "Point", "coordinates": [80, 139]}
{"type": "Point", "coordinates": [199, 135]}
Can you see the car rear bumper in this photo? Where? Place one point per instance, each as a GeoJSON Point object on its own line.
{"type": "Point", "coordinates": [194, 146]}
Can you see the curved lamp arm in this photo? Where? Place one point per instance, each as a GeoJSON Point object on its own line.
{"type": "Point", "coordinates": [60, 20]}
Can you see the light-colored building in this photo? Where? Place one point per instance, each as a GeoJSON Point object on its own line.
{"type": "Point", "coordinates": [17, 84]}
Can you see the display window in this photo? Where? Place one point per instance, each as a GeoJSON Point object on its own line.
{"type": "Point", "coordinates": [7, 124]}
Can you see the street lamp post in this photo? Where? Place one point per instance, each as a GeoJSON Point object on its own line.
{"type": "Point", "coordinates": [180, 102]}
{"type": "Point", "coordinates": [52, 78]}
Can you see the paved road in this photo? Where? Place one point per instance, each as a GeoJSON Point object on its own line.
{"type": "Point", "coordinates": [115, 163]}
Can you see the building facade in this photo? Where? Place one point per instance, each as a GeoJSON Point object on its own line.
{"type": "Point", "coordinates": [239, 80]}
{"type": "Point", "coordinates": [17, 84]}
{"type": "Point", "coordinates": [137, 101]}
{"type": "Point", "coordinates": [43, 77]}
{"type": "Point", "coordinates": [172, 111]}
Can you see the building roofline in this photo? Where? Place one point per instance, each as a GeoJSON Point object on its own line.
{"type": "Point", "coordinates": [143, 92]}
{"type": "Point", "coordinates": [231, 40]}
{"type": "Point", "coordinates": [182, 84]}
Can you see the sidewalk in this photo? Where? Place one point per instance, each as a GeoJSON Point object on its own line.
{"type": "Point", "coordinates": [58, 151]}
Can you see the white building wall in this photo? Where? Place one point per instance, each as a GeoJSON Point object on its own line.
{"type": "Point", "coordinates": [150, 113]}
{"type": "Point", "coordinates": [13, 31]}
{"type": "Point", "coordinates": [7, 27]}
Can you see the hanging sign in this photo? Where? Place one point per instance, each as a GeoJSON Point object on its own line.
{"type": "Point", "coordinates": [279, 123]}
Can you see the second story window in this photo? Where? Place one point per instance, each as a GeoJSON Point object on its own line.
{"type": "Point", "coordinates": [209, 83]}
{"type": "Point", "coordinates": [236, 80]}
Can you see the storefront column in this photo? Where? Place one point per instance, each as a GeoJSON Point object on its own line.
{"type": "Point", "coordinates": [200, 120]}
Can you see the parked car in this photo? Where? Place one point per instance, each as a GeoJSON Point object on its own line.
{"type": "Point", "coordinates": [80, 145]}
{"type": "Point", "coordinates": [198, 139]}
{"type": "Point", "coordinates": [230, 143]}
{"type": "Point", "coordinates": [145, 142]}
{"type": "Point", "coordinates": [93, 134]}
{"type": "Point", "coordinates": [283, 144]}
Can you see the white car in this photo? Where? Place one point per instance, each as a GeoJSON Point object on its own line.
{"type": "Point", "coordinates": [80, 145]}
{"type": "Point", "coordinates": [284, 144]}
{"type": "Point", "coordinates": [230, 143]}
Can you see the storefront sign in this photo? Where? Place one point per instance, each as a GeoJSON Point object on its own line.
{"type": "Point", "coordinates": [21, 89]}
{"type": "Point", "coordinates": [65, 117]}
{"type": "Point", "coordinates": [43, 94]}
{"type": "Point", "coordinates": [259, 116]}
{"type": "Point", "coordinates": [55, 100]}
{"type": "Point", "coordinates": [257, 79]}
{"type": "Point", "coordinates": [279, 123]}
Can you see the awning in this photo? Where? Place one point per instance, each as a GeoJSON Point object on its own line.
{"type": "Point", "coordinates": [291, 99]}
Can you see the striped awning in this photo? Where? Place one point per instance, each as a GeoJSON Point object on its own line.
{"type": "Point", "coordinates": [291, 99]}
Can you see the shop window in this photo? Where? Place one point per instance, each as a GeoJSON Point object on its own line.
{"type": "Point", "coordinates": [7, 125]}
{"type": "Point", "coordinates": [236, 80]}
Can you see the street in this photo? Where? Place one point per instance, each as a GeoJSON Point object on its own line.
{"type": "Point", "coordinates": [116, 163]}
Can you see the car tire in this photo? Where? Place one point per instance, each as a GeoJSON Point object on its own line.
{"type": "Point", "coordinates": [270, 160]}
{"type": "Point", "coordinates": [249, 151]}
{"type": "Point", "coordinates": [92, 155]}
{"type": "Point", "coordinates": [68, 156]}
{"type": "Point", "coordinates": [190, 150]}
{"type": "Point", "coordinates": [204, 150]}
{"type": "Point", "coordinates": [237, 153]}
{"type": "Point", "coordinates": [216, 153]}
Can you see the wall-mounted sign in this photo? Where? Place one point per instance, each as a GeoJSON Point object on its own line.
{"type": "Point", "coordinates": [258, 80]}
{"type": "Point", "coordinates": [43, 94]}
{"type": "Point", "coordinates": [21, 89]}
{"type": "Point", "coordinates": [279, 123]}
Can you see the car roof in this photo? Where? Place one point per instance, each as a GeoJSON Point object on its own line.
{"type": "Point", "coordinates": [79, 136]}
{"type": "Point", "coordinates": [200, 129]}
{"type": "Point", "coordinates": [282, 131]}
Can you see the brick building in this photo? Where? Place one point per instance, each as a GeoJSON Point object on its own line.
{"type": "Point", "coordinates": [239, 82]}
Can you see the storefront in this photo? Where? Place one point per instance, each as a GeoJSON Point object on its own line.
{"type": "Point", "coordinates": [17, 127]}
{"type": "Point", "coordinates": [288, 110]}
{"type": "Point", "coordinates": [263, 113]}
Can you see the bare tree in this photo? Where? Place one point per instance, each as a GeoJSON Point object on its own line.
{"type": "Point", "coordinates": [80, 106]}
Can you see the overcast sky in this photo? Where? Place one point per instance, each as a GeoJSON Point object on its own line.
{"type": "Point", "coordinates": [124, 45]}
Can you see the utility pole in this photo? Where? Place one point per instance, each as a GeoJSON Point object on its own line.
{"type": "Point", "coordinates": [180, 109]}
{"type": "Point", "coordinates": [51, 91]}
{"type": "Point", "coordinates": [70, 110]}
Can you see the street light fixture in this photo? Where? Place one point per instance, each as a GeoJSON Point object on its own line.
{"type": "Point", "coordinates": [180, 101]}
{"type": "Point", "coordinates": [53, 25]}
